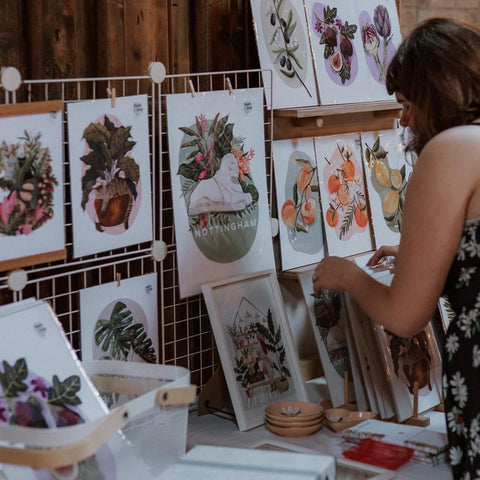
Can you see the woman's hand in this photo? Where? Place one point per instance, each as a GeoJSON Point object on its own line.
{"type": "Point", "coordinates": [333, 273]}
{"type": "Point", "coordinates": [383, 251]}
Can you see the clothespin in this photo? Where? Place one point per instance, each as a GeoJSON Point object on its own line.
{"type": "Point", "coordinates": [192, 88]}
{"type": "Point", "coordinates": [111, 95]}
{"type": "Point", "coordinates": [119, 278]}
{"type": "Point", "coordinates": [229, 86]}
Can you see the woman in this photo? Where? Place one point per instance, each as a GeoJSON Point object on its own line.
{"type": "Point", "coordinates": [435, 75]}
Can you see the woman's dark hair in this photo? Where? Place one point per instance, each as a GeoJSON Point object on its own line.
{"type": "Point", "coordinates": [437, 68]}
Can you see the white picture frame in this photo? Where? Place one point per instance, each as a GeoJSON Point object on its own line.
{"type": "Point", "coordinates": [255, 344]}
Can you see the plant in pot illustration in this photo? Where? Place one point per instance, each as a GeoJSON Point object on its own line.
{"type": "Point", "coordinates": [111, 176]}
{"type": "Point", "coordinates": [286, 41]}
{"type": "Point", "coordinates": [29, 400]}
{"type": "Point", "coordinates": [347, 211]}
{"type": "Point", "coordinates": [389, 183]}
{"type": "Point", "coordinates": [27, 185]}
{"type": "Point", "coordinates": [118, 336]}
{"type": "Point", "coordinates": [218, 188]}
{"type": "Point", "coordinates": [259, 353]}
{"type": "Point", "coordinates": [337, 37]}
{"type": "Point", "coordinates": [299, 212]}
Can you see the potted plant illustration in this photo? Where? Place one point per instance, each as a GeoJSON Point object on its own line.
{"type": "Point", "coordinates": [120, 336]}
{"type": "Point", "coordinates": [111, 178]}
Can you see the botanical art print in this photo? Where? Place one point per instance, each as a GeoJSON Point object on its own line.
{"type": "Point", "coordinates": [218, 186]}
{"type": "Point", "coordinates": [255, 344]}
{"type": "Point", "coordinates": [283, 44]}
{"type": "Point", "coordinates": [31, 185]}
{"type": "Point", "coordinates": [336, 36]}
{"type": "Point", "coordinates": [388, 172]}
{"type": "Point", "coordinates": [119, 320]}
{"type": "Point", "coordinates": [110, 169]}
{"type": "Point", "coordinates": [301, 231]}
{"type": "Point", "coordinates": [343, 194]}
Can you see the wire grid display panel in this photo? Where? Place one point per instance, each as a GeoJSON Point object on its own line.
{"type": "Point", "coordinates": [186, 337]}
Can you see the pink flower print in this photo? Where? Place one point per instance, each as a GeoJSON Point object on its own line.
{"type": "Point", "coordinates": [203, 120]}
{"type": "Point", "coordinates": [199, 157]}
{"type": "Point", "coordinates": [40, 212]}
{"type": "Point", "coordinates": [202, 174]}
{"type": "Point", "coordinates": [7, 206]}
{"type": "Point", "coordinates": [39, 385]}
{"type": "Point", "coordinates": [24, 229]}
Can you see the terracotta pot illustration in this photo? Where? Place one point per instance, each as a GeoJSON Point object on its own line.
{"type": "Point", "coordinates": [113, 203]}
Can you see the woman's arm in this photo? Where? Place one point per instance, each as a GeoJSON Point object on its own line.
{"type": "Point", "coordinates": [444, 179]}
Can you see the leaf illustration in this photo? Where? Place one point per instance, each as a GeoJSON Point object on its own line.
{"type": "Point", "coordinates": [120, 144]}
{"type": "Point", "coordinates": [141, 344]}
{"type": "Point", "coordinates": [64, 393]}
{"type": "Point", "coordinates": [12, 378]}
{"type": "Point", "coordinates": [347, 220]}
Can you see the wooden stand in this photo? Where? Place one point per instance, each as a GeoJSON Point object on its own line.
{"type": "Point", "coordinates": [417, 419]}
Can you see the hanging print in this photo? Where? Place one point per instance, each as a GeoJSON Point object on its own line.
{"type": "Point", "coordinates": [255, 344]}
{"type": "Point", "coordinates": [336, 46]}
{"type": "Point", "coordinates": [283, 47]}
{"type": "Point", "coordinates": [110, 174]}
{"type": "Point", "coordinates": [217, 165]}
{"type": "Point", "coordinates": [388, 168]}
{"type": "Point", "coordinates": [380, 34]}
{"type": "Point", "coordinates": [342, 191]}
{"type": "Point", "coordinates": [119, 320]}
{"type": "Point", "coordinates": [31, 182]}
{"type": "Point", "coordinates": [299, 209]}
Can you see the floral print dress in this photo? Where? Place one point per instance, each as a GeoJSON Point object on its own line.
{"type": "Point", "coordinates": [461, 370]}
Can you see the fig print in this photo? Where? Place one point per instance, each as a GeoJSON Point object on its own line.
{"type": "Point", "coordinates": [111, 191]}
{"type": "Point", "coordinates": [337, 35]}
{"type": "Point", "coordinates": [220, 195]}
{"type": "Point", "coordinates": [286, 42]}
{"type": "Point", "coordinates": [378, 40]}
{"type": "Point", "coordinates": [27, 185]}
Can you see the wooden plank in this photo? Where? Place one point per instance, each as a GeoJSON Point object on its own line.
{"type": "Point", "coordinates": [31, 108]}
{"type": "Point", "coordinates": [12, 38]}
{"type": "Point", "coordinates": [30, 260]}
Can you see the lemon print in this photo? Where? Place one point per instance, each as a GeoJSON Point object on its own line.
{"type": "Point", "coordinates": [390, 202]}
{"type": "Point", "coordinates": [381, 173]}
{"type": "Point", "coordinates": [396, 178]}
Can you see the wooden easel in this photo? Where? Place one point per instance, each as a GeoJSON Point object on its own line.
{"type": "Point", "coordinates": [417, 419]}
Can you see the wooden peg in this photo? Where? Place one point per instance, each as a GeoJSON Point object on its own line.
{"type": "Point", "coordinates": [229, 86]}
{"type": "Point", "coordinates": [112, 95]}
{"type": "Point", "coordinates": [346, 393]}
{"type": "Point", "coordinates": [119, 278]}
{"type": "Point", "coordinates": [192, 88]}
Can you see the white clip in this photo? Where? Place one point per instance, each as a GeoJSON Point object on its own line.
{"type": "Point", "coordinates": [229, 86]}
{"type": "Point", "coordinates": [111, 94]}
{"type": "Point", "coordinates": [192, 88]}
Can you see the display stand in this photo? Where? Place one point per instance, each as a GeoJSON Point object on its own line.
{"type": "Point", "coordinates": [417, 419]}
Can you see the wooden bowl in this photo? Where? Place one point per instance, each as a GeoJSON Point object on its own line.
{"type": "Point", "coordinates": [339, 419]}
{"type": "Point", "coordinates": [293, 431]}
{"type": "Point", "coordinates": [302, 423]}
{"type": "Point", "coordinates": [286, 412]}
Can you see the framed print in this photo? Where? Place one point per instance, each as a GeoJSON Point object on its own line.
{"type": "Point", "coordinates": [343, 194]}
{"type": "Point", "coordinates": [220, 198]}
{"type": "Point", "coordinates": [255, 344]}
{"type": "Point", "coordinates": [387, 170]}
{"type": "Point", "coordinates": [337, 49]}
{"type": "Point", "coordinates": [327, 317]}
{"type": "Point", "coordinates": [408, 361]}
{"type": "Point", "coordinates": [110, 174]}
{"type": "Point", "coordinates": [284, 49]}
{"type": "Point", "coordinates": [32, 220]}
{"type": "Point", "coordinates": [298, 201]}
{"type": "Point", "coordinates": [119, 320]}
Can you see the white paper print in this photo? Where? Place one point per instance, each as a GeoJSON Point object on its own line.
{"type": "Point", "coordinates": [283, 48]}
{"type": "Point", "coordinates": [387, 170]}
{"type": "Point", "coordinates": [119, 320]}
{"type": "Point", "coordinates": [342, 191]}
{"type": "Point", "coordinates": [32, 217]}
{"type": "Point", "coordinates": [218, 172]}
{"type": "Point", "coordinates": [110, 174]}
{"type": "Point", "coordinates": [298, 201]}
{"type": "Point", "coordinates": [341, 72]}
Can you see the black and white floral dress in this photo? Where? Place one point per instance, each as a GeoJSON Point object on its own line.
{"type": "Point", "coordinates": [461, 371]}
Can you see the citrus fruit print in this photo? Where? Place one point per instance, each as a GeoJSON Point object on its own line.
{"type": "Point", "coordinates": [347, 212]}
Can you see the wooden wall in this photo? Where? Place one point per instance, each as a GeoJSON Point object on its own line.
{"type": "Point", "coordinates": [92, 38]}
